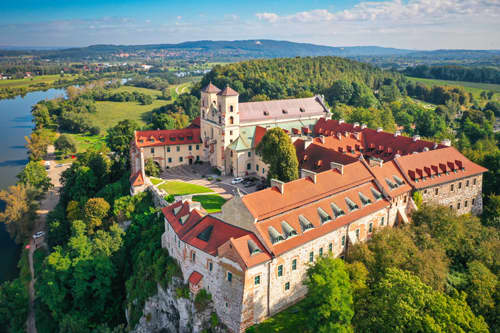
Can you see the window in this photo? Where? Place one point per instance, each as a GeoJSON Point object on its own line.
{"type": "Point", "coordinates": [357, 233]}
{"type": "Point", "coordinates": [190, 147]}
{"type": "Point", "coordinates": [197, 147]}
{"type": "Point", "coordinates": [436, 191]}
{"type": "Point", "coordinates": [263, 170]}
{"type": "Point", "coordinates": [210, 266]}
{"type": "Point", "coordinates": [220, 119]}
{"type": "Point", "coordinates": [249, 154]}
{"type": "Point", "coordinates": [231, 108]}
{"type": "Point", "coordinates": [257, 167]}
{"type": "Point", "coordinates": [452, 187]}
{"type": "Point", "coordinates": [193, 257]}
{"type": "Point", "coordinates": [451, 207]}
{"type": "Point", "coordinates": [382, 221]}
{"type": "Point", "coordinates": [287, 286]}
{"type": "Point", "coordinates": [330, 247]}
{"type": "Point", "coordinates": [178, 148]}
{"type": "Point", "coordinates": [465, 203]}
{"type": "Point", "coordinates": [294, 264]}
{"type": "Point", "coordinates": [152, 150]}
{"type": "Point", "coordinates": [170, 160]}
{"type": "Point", "coordinates": [311, 256]}
{"type": "Point", "coordinates": [168, 149]}
{"type": "Point", "coordinates": [473, 201]}
{"type": "Point", "coordinates": [249, 166]}
{"type": "Point", "coordinates": [370, 227]}
{"type": "Point", "coordinates": [180, 159]}
{"type": "Point", "coordinates": [197, 158]}
{"type": "Point", "coordinates": [458, 205]}
{"type": "Point", "coordinates": [230, 132]}
{"type": "Point", "coordinates": [474, 181]}
{"type": "Point", "coordinates": [257, 280]}
{"type": "Point", "coordinates": [321, 251]}
{"type": "Point", "coordinates": [467, 183]}
{"type": "Point", "coordinates": [231, 120]}
{"type": "Point", "coordinates": [229, 276]}
{"type": "Point", "coordinates": [280, 270]}
{"type": "Point", "coordinates": [459, 185]}
{"type": "Point", "coordinates": [343, 240]}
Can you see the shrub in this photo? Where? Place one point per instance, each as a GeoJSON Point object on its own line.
{"type": "Point", "coordinates": [218, 179]}
{"type": "Point", "coordinates": [202, 299]}
{"type": "Point", "coordinates": [210, 178]}
{"type": "Point", "coordinates": [170, 198]}
{"type": "Point", "coordinates": [182, 292]}
{"type": "Point", "coordinates": [214, 320]}
{"type": "Point", "coordinates": [417, 198]}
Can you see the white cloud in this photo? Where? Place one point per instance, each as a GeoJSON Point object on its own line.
{"type": "Point", "coordinates": [269, 17]}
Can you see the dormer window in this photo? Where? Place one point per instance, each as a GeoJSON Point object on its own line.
{"type": "Point", "coordinates": [351, 204]}
{"type": "Point", "coordinates": [302, 110]}
{"type": "Point", "coordinates": [183, 219]}
{"type": "Point", "coordinates": [364, 199]}
{"type": "Point", "coordinates": [205, 234]}
{"type": "Point", "coordinates": [274, 235]}
{"type": "Point", "coordinates": [253, 248]}
{"type": "Point", "coordinates": [151, 139]}
{"type": "Point", "coordinates": [190, 137]}
{"type": "Point", "coordinates": [266, 113]}
{"type": "Point", "coordinates": [288, 230]}
{"type": "Point", "coordinates": [305, 224]}
{"type": "Point", "coordinates": [398, 180]}
{"type": "Point", "coordinates": [393, 185]}
{"type": "Point", "coordinates": [337, 211]}
{"type": "Point", "coordinates": [376, 194]}
{"type": "Point", "coordinates": [177, 210]}
{"type": "Point", "coordinates": [323, 216]}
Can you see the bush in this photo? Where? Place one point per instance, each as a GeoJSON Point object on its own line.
{"type": "Point", "coordinates": [170, 198]}
{"type": "Point", "coordinates": [202, 299]}
{"type": "Point", "coordinates": [182, 292]}
{"type": "Point", "coordinates": [218, 179]}
{"type": "Point", "coordinates": [417, 198]}
{"type": "Point", "coordinates": [210, 178]}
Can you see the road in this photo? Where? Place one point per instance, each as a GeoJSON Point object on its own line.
{"type": "Point", "coordinates": [46, 205]}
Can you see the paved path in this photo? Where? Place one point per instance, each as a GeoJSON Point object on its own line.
{"type": "Point", "coordinates": [46, 205]}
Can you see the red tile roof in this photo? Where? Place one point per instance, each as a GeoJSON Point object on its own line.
{"type": "Point", "coordinates": [136, 179]}
{"type": "Point", "coordinates": [281, 109]}
{"type": "Point", "coordinates": [228, 91]}
{"type": "Point", "coordinates": [167, 137]}
{"type": "Point", "coordinates": [259, 134]}
{"type": "Point", "coordinates": [210, 88]}
{"type": "Point", "coordinates": [241, 246]}
{"type": "Point", "coordinates": [269, 202]}
{"type": "Point", "coordinates": [309, 158]}
{"type": "Point", "coordinates": [195, 278]}
{"type": "Point", "coordinates": [195, 123]}
{"type": "Point", "coordinates": [310, 212]}
{"type": "Point", "coordinates": [437, 166]}
{"type": "Point", "coordinates": [387, 172]}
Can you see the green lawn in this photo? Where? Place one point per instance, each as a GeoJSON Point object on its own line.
{"type": "Point", "coordinates": [211, 202]}
{"type": "Point", "coordinates": [181, 188]}
{"type": "Point", "coordinates": [472, 87]}
{"type": "Point", "coordinates": [84, 142]}
{"type": "Point", "coordinates": [290, 320]}
{"type": "Point", "coordinates": [18, 83]}
{"type": "Point", "coordinates": [155, 181]}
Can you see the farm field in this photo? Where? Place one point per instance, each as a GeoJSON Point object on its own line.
{"type": "Point", "coordinates": [19, 83]}
{"type": "Point", "coordinates": [472, 87]}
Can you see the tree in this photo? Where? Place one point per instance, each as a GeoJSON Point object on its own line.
{"type": "Point", "coordinates": [341, 91]}
{"type": "Point", "coordinates": [119, 138]}
{"type": "Point", "coordinates": [491, 211]}
{"type": "Point", "coordinates": [152, 168]}
{"type": "Point", "coordinates": [34, 174]}
{"type": "Point", "coordinates": [400, 302]}
{"type": "Point", "coordinates": [166, 94]}
{"type": "Point", "coordinates": [417, 198]}
{"type": "Point", "coordinates": [328, 306]}
{"type": "Point", "coordinates": [20, 211]}
{"type": "Point", "coordinates": [65, 144]}
{"type": "Point", "coordinates": [277, 150]}
{"type": "Point", "coordinates": [37, 145]}
{"type": "Point", "coordinates": [95, 210]}
{"type": "Point", "coordinates": [481, 290]}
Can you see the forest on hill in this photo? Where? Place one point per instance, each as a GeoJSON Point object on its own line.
{"type": "Point", "coordinates": [455, 73]}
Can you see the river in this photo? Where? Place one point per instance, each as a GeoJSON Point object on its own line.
{"type": "Point", "coordinates": [15, 124]}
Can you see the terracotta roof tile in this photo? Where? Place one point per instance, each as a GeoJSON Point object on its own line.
{"type": "Point", "coordinates": [195, 278]}
{"type": "Point", "coordinates": [211, 88]}
{"type": "Point", "coordinates": [241, 246]}
{"type": "Point", "coordinates": [167, 137]}
{"type": "Point", "coordinates": [228, 91]}
{"type": "Point", "coordinates": [137, 179]}
{"type": "Point", "coordinates": [315, 152]}
{"type": "Point", "coordinates": [417, 166]}
{"type": "Point", "coordinates": [389, 170]}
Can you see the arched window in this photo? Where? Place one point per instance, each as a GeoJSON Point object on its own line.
{"type": "Point", "coordinates": [231, 108]}
{"type": "Point", "coordinates": [231, 120]}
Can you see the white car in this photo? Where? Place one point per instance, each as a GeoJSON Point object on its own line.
{"type": "Point", "coordinates": [47, 165]}
{"type": "Point", "coordinates": [236, 180]}
{"type": "Point", "coordinates": [38, 234]}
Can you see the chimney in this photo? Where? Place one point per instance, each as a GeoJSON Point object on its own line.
{"type": "Point", "coordinates": [379, 129]}
{"type": "Point", "coordinates": [363, 126]}
{"type": "Point", "coordinates": [376, 162]}
{"type": "Point", "coordinates": [307, 173]}
{"type": "Point", "coordinates": [341, 121]}
{"type": "Point", "coordinates": [322, 138]}
{"type": "Point", "coordinates": [446, 142]}
{"type": "Point", "coordinates": [416, 137]}
{"type": "Point", "coordinates": [339, 135]}
{"type": "Point", "coordinates": [279, 185]}
{"type": "Point", "coordinates": [307, 142]}
{"type": "Point", "coordinates": [356, 124]}
{"type": "Point", "coordinates": [357, 135]}
{"type": "Point", "coordinates": [346, 134]}
{"type": "Point", "coordinates": [338, 166]}
{"type": "Point", "coordinates": [397, 133]}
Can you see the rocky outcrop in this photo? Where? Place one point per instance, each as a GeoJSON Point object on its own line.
{"type": "Point", "coordinates": [166, 313]}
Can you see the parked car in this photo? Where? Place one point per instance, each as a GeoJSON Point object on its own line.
{"type": "Point", "coordinates": [59, 165]}
{"type": "Point", "coordinates": [236, 180]}
{"type": "Point", "coordinates": [38, 234]}
{"type": "Point", "coordinates": [47, 165]}
{"type": "Point", "coordinates": [261, 186]}
{"type": "Point", "coordinates": [249, 183]}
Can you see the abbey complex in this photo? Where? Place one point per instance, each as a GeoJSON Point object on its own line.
{"type": "Point", "coordinates": [253, 255]}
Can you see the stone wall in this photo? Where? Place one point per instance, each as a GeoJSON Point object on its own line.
{"type": "Point", "coordinates": [463, 195]}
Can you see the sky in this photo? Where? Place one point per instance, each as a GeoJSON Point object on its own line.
{"type": "Point", "coordinates": [409, 24]}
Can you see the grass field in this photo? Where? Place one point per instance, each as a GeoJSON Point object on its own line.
{"type": "Point", "coordinates": [181, 188]}
{"type": "Point", "coordinates": [34, 80]}
{"type": "Point", "coordinates": [155, 180]}
{"type": "Point", "coordinates": [211, 202]}
{"type": "Point", "coordinates": [288, 320]}
{"type": "Point", "coordinates": [472, 87]}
